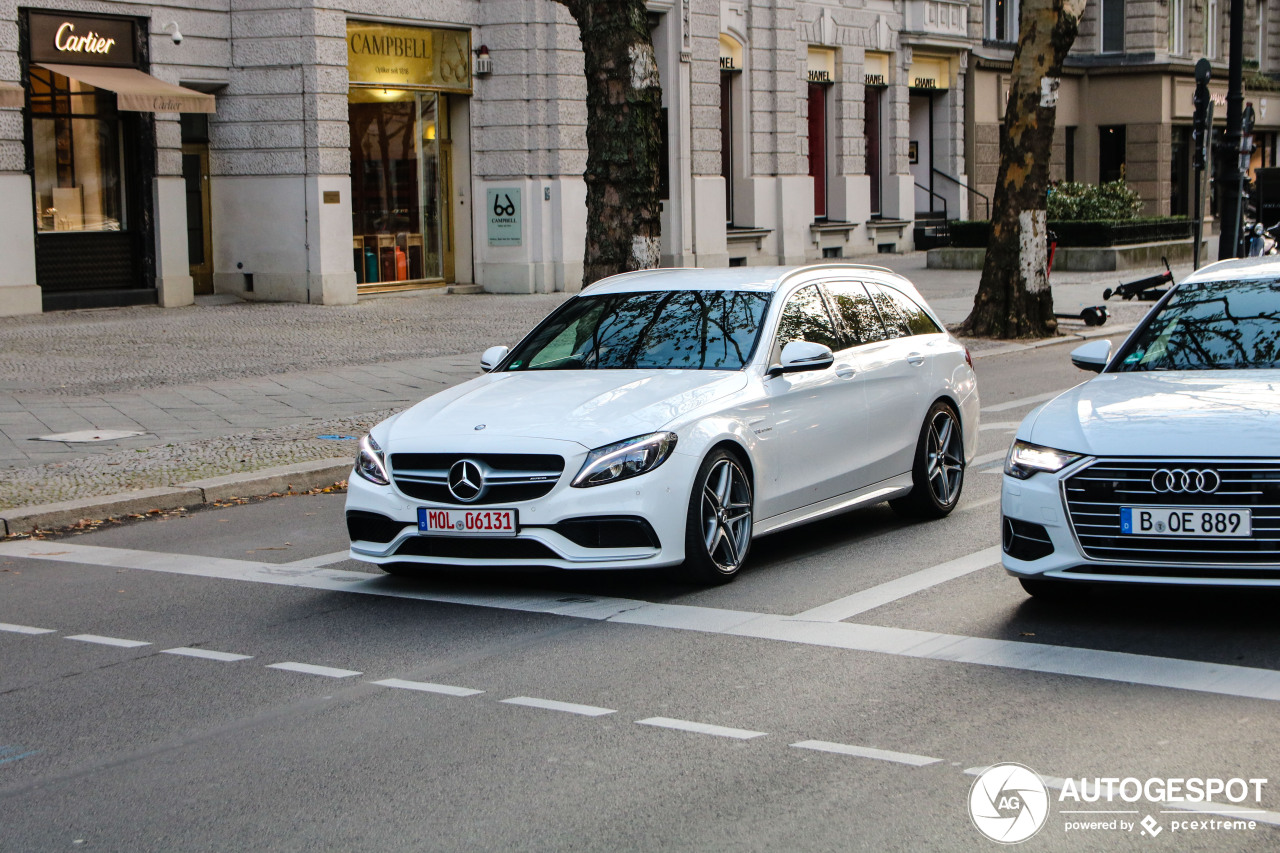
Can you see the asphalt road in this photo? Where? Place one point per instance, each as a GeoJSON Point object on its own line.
{"type": "Point", "coordinates": [226, 681]}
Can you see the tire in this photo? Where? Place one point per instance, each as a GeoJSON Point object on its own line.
{"type": "Point", "coordinates": [937, 474]}
{"type": "Point", "coordinates": [718, 526]}
{"type": "Point", "coordinates": [1055, 592]}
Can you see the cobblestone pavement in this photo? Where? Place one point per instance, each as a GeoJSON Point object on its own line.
{"type": "Point", "coordinates": [221, 388]}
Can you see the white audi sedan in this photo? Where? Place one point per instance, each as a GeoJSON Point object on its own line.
{"type": "Point", "coordinates": [665, 418]}
{"type": "Point", "coordinates": [1165, 468]}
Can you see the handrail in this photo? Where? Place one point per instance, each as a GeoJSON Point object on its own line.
{"type": "Point", "coordinates": [963, 185]}
{"type": "Point", "coordinates": [932, 196]}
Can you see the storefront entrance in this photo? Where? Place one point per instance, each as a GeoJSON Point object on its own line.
{"type": "Point", "coordinates": [402, 184]}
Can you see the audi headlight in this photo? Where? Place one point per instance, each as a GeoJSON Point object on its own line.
{"type": "Point", "coordinates": [371, 463]}
{"type": "Point", "coordinates": [1025, 459]}
{"type": "Point", "coordinates": [625, 459]}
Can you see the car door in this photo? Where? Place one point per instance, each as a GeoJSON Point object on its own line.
{"type": "Point", "coordinates": [818, 416]}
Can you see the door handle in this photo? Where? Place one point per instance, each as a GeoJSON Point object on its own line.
{"type": "Point", "coordinates": [844, 371]}
{"type": "Point", "coordinates": [915, 359]}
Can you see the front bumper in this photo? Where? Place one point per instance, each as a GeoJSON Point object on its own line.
{"type": "Point", "coordinates": [1038, 541]}
{"type": "Point", "coordinates": [658, 500]}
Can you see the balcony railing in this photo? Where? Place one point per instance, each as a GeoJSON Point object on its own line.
{"type": "Point", "coordinates": [938, 17]}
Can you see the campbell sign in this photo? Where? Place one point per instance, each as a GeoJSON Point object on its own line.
{"type": "Point", "coordinates": [82, 40]}
{"type": "Point", "coordinates": [410, 57]}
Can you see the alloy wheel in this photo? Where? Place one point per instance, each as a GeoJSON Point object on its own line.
{"type": "Point", "coordinates": [945, 465]}
{"type": "Point", "coordinates": [726, 515]}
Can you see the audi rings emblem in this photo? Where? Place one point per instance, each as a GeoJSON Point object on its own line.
{"type": "Point", "coordinates": [1186, 481]}
{"type": "Point", "coordinates": [466, 480]}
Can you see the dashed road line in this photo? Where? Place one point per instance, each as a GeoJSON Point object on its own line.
{"type": "Point", "coordinates": [868, 752]}
{"type": "Point", "coordinates": [877, 596]}
{"type": "Point", "coordinates": [206, 654]}
{"type": "Point", "coordinates": [25, 629]}
{"type": "Point", "coordinates": [322, 560]}
{"type": "Point", "coordinates": [988, 458]}
{"type": "Point", "coordinates": [427, 687]}
{"type": "Point", "coordinates": [553, 705]}
{"type": "Point", "coordinates": [312, 669]}
{"type": "Point", "coordinates": [14, 753]}
{"type": "Point", "coordinates": [108, 641]}
{"type": "Point", "coordinates": [1024, 401]}
{"type": "Point", "coordinates": [700, 728]}
{"type": "Point", "coordinates": [1121, 667]}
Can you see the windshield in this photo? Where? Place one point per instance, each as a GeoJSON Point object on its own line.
{"type": "Point", "coordinates": [680, 329]}
{"type": "Point", "coordinates": [1227, 325]}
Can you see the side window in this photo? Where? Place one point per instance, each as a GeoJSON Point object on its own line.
{"type": "Point", "coordinates": [893, 321]}
{"type": "Point", "coordinates": [918, 322]}
{"type": "Point", "coordinates": [856, 312]}
{"type": "Point", "coordinates": [805, 318]}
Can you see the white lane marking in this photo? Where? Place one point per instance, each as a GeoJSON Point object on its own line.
{"type": "Point", "coordinates": [1001, 425]}
{"type": "Point", "coordinates": [1230, 810]}
{"type": "Point", "coordinates": [700, 728]}
{"type": "Point", "coordinates": [206, 654]}
{"type": "Point", "coordinates": [25, 629]}
{"type": "Point", "coordinates": [1124, 667]}
{"type": "Point", "coordinates": [108, 641]}
{"type": "Point", "coordinates": [1018, 404]}
{"type": "Point", "coordinates": [988, 458]}
{"type": "Point", "coordinates": [428, 687]}
{"type": "Point", "coordinates": [312, 669]}
{"type": "Point", "coordinates": [322, 560]}
{"type": "Point", "coordinates": [553, 705]}
{"type": "Point", "coordinates": [877, 596]}
{"type": "Point", "coordinates": [868, 752]}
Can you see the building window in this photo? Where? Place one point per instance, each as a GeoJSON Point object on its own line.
{"type": "Point", "coordinates": [1112, 15]}
{"type": "Point", "coordinates": [726, 141]}
{"type": "Point", "coordinates": [818, 147]}
{"type": "Point", "coordinates": [1181, 182]}
{"type": "Point", "coordinates": [1001, 20]}
{"type": "Point", "coordinates": [872, 130]}
{"type": "Point", "coordinates": [1211, 33]}
{"type": "Point", "coordinates": [397, 183]}
{"type": "Point", "coordinates": [1111, 140]}
{"type": "Point", "coordinates": [1177, 14]}
{"type": "Point", "coordinates": [78, 156]}
{"type": "Point", "coordinates": [1069, 155]}
{"type": "Point", "coordinates": [1263, 65]}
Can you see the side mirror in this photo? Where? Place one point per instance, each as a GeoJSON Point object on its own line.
{"type": "Point", "coordinates": [803, 355]}
{"type": "Point", "coordinates": [1092, 356]}
{"type": "Point", "coordinates": [492, 357]}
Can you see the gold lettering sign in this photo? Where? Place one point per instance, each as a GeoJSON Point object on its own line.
{"type": "Point", "coordinates": [409, 57]}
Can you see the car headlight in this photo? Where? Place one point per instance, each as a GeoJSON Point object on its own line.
{"type": "Point", "coordinates": [371, 463]}
{"type": "Point", "coordinates": [629, 458]}
{"type": "Point", "coordinates": [1025, 459]}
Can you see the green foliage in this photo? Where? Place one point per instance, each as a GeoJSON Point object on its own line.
{"type": "Point", "coordinates": [1112, 201]}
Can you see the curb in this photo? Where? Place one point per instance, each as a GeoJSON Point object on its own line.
{"type": "Point", "coordinates": [1073, 338]}
{"type": "Point", "coordinates": [282, 479]}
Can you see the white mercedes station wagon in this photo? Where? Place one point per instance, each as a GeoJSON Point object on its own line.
{"type": "Point", "coordinates": [665, 418]}
{"type": "Point", "coordinates": [1165, 468]}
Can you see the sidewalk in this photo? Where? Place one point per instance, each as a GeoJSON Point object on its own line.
{"type": "Point", "coordinates": [232, 398]}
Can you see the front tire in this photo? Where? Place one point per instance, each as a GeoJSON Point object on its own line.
{"type": "Point", "coordinates": [719, 522]}
{"type": "Point", "coordinates": [937, 475]}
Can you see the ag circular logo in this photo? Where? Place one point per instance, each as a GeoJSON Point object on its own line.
{"type": "Point", "coordinates": [1008, 803]}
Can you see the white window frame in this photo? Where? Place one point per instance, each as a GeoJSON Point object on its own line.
{"type": "Point", "coordinates": [1211, 34]}
{"type": "Point", "coordinates": [990, 15]}
{"type": "Point", "coordinates": [1177, 29]}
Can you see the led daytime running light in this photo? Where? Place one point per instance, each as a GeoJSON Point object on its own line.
{"type": "Point", "coordinates": [370, 462]}
{"type": "Point", "coordinates": [625, 459]}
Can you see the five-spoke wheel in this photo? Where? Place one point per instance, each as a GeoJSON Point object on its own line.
{"type": "Point", "coordinates": [718, 528]}
{"type": "Point", "coordinates": [937, 474]}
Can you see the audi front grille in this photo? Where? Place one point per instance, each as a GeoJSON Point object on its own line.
{"type": "Point", "coordinates": [1095, 494]}
{"type": "Point", "coordinates": [508, 477]}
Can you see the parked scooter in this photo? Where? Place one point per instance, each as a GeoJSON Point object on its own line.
{"type": "Point", "coordinates": [1147, 289]}
{"type": "Point", "coordinates": [1258, 241]}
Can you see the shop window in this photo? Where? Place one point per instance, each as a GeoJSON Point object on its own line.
{"type": "Point", "coordinates": [78, 156]}
{"type": "Point", "coordinates": [726, 141]}
{"type": "Point", "coordinates": [1001, 20]}
{"type": "Point", "coordinates": [1181, 182]}
{"type": "Point", "coordinates": [1111, 153]}
{"type": "Point", "coordinates": [872, 124]}
{"type": "Point", "coordinates": [818, 147]}
{"type": "Point", "coordinates": [1112, 15]}
{"type": "Point", "coordinates": [398, 181]}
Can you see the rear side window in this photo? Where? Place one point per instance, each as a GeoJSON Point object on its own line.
{"type": "Point", "coordinates": [917, 321]}
{"type": "Point", "coordinates": [894, 322]}
{"type": "Point", "coordinates": [805, 318]}
{"type": "Point", "coordinates": [859, 316]}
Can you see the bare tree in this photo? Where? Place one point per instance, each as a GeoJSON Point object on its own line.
{"type": "Point", "coordinates": [624, 108]}
{"type": "Point", "coordinates": [1014, 299]}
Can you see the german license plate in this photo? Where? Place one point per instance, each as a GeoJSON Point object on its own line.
{"type": "Point", "coordinates": [1186, 521]}
{"type": "Point", "coordinates": [468, 522]}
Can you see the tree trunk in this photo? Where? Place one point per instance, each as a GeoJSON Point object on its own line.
{"type": "Point", "coordinates": [624, 108]}
{"type": "Point", "coordinates": [1014, 299]}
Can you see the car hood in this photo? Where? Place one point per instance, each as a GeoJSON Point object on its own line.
{"type": "Point", "coordinates": [590, 407]}
{"type": "Point", "coordinates": [1173, 413]}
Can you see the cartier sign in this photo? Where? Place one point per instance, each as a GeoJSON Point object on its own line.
{"type": "Point", "coordinates": [81, 40]}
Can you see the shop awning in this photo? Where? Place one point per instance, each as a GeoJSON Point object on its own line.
{"type": "Point", "coordinates": [136, 90]}
{"type": "Point", "coordinates": [10, 95]}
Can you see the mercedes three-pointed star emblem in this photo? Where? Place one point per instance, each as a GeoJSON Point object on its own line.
{"type": "Point", "coordinates": [466, 480]}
